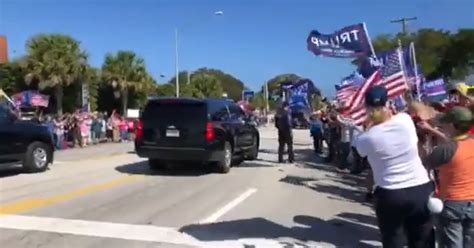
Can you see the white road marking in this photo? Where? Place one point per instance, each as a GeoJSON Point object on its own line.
{"type": "Point", "coordinates": [229, 206]}
{"type": "Point", "coordinates": [97, 229]}
{"type": "Point", "coordinates": [145, 233]}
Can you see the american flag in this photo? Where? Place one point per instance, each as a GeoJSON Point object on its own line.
{"type": "Point", "coordinates": [391, 76]}
{"type": "Point", "coordinates": [343, 94]}
{"type": "Point", "coordinates": [394, 78]}
{"type": "Point", "coordinates": [355, 107]}
{"type": "Point", "coordinates": [347, 88]}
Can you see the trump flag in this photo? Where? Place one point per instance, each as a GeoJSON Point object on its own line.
{"type": "Point", "coordinates": [348, 42]}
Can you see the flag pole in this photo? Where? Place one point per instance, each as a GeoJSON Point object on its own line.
{"type": "Point", "coordinates": [400, 58]}
{"type": "Point", "coordinates": [417, 85]}
{"type": "Point", "coordinates": [2, 93]}
{"type": "Point", "coordinates": [369, 40]}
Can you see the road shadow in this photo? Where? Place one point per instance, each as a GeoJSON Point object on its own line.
{"type": "Point", "coordinates": [304, 158]}
{"type": "Point", "coordinates": [14, 169]}
{"type": "Point", "coordinates": [351, 192]}
{"type": "Point", "coordinates": [337, 231]}
{"type": "Point", "coordinates": [178, 170]}
{"type": "Point", "coordinates": [11, 170]}
{"type": "Point", "coordinates": [268, 151]}
{"type": "Point", "coordinates": [258, 163]}
{"type": "Point", "coordinates": [361, 218]}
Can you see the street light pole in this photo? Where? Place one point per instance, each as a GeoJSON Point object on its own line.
{"type": "Point", "coordinates": [176, 60]}
{"type": "Point", "coordinates": [217, 13]}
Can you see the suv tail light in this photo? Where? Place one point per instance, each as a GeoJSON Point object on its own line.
{"type": "Point", "coordinates": [209, 132]}
{"type": "Point", "coordinates": [139, 130]}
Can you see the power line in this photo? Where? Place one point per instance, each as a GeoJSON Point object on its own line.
{"type": "Point", "coordinates": [404, 21]}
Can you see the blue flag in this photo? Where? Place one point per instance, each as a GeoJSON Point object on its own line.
{"type": "Point", "coordinates": [348, 42]}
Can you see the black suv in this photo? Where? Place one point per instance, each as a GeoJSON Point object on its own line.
{"type": "Point", "coordinates": [198, 130]}
{"type": "Point", "coordinates": [25, 142]}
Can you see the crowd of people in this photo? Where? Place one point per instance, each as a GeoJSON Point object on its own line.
{"type": "Point", "coordinates": [420, 161]}
{"type": "Point", "coordinates": [82, 128]}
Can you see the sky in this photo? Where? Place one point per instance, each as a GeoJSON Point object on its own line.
{"type": "Point", "coordinates": [254, 40]}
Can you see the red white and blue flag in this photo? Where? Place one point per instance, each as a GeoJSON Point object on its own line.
{"type": "Point", "coordinates": [344, 94]}
{"type": "Point", "coordinates": [347, 88]}
{"type": "Point", "coordinates": [391, 76]}
{"type": "Point", "coordinates": [355, 107]}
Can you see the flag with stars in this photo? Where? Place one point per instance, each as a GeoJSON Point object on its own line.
{"type": "Point", "coordinates": [393, 75]}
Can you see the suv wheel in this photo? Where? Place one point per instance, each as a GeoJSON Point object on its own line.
{"type": "Point", "coordinates": [253, 152]}
{"type": "Point", "coordinates": [37, 158]}
{"type": "Point", "coordinates": [156, 164]}
{"type": "Point", "coordinates": [223, 166]}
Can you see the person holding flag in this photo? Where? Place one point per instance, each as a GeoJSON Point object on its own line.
{"type": "Point", "coordinates": [453, 158]}
{"type": "Point", "coordinates": [403, 186]}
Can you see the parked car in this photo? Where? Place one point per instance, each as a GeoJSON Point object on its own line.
{"type": "Point", "coordinates": [211, 131]}
{"type": "Point", "coordinates": [25, 142]}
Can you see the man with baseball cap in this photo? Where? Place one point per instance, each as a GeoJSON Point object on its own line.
{"type": "Point", "coordinates": [459, 94]}
{"type": "Point", "coordinates": [403, 187]}
{"type": "Point", "coordinates": [455, 161]}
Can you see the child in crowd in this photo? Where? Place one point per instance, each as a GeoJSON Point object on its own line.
{"type": "Point", "coordinates": [58, 132]}
{"type": "Point", "coordinates": [123, 127]}
{"type": "Point", "coordinates": [96, 129]}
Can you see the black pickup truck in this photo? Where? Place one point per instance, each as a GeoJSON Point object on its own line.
{"type": "Point", "coordinates": [24, 142]}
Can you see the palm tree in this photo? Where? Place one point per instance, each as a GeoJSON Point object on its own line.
{"type": "Point", "coordinates": [90, 80]}
{"type": "Point", "coordinates": [124, 71]}
{"type": "Point", "coordinates": [54, 61]}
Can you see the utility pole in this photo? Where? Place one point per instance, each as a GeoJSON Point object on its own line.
{"type": "Point", "coordinates": [189, 77]}
{"type": "Point", "coordinates": [267, 105]}
{"type": "Point", "coordinates": [404, 21]}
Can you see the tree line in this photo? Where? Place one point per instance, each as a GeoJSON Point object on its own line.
{"type": "Point", "coordinates": [56, 65]}
{"type": "Point", "coordinates": [441, 53]}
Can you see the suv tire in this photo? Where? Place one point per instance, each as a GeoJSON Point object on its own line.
{"type": "Point", "coordinates": [156, 164]}
{"type": "Point", "coordinates": [252, 154]}
{"type": "Point", "coordinates": [37, 157]}
{"type": "Point", "coordinates": [223, 166]}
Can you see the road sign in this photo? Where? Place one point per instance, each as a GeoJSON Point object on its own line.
{"type": "Point", "coordinates": [247, 94]}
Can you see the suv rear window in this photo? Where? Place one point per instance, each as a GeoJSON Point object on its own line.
{"type": "Point", "coordinates": [174, 110]}
{"type": "Point", "coordinates": [217, 110]}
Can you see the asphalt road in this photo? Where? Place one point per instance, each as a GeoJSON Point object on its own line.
{"type": "Point", "coordinates": [105, 196]}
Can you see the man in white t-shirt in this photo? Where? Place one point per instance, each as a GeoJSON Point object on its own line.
{"type": "Point", "coordinates": [403, 185]}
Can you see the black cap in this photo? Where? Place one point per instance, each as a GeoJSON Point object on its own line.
{"type": "Point", "coordinates": [376, 96]}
